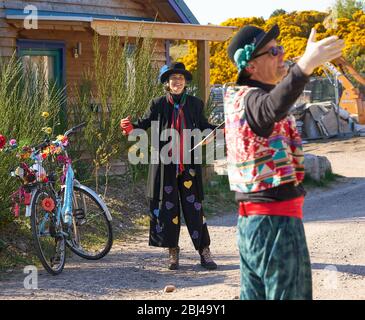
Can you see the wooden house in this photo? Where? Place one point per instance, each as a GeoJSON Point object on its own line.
{"type": "Point", "coordinates": [60, 32]}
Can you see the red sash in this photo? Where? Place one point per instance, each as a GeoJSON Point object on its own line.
{"type": "Point", "coordinates": [287, 208]}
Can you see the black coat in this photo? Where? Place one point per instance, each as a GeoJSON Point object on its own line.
{"type": "Point", "coordinates": [160, 110]}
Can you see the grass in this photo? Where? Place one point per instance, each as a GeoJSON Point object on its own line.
{"type": "Point", "coordinates": [329, 177]}
{"type": "Point", "coordinates": [218, 197]}
{"type": "Point", "coordinates": [16, 247]}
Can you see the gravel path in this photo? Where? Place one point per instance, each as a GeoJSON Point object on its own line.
{"type": "Point", "coordinates": [334, 224]}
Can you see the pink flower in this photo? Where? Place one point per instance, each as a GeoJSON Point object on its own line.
{"type": "Point", "coordinates": [12, 142]}
{"type": "Point", "coordinates": [61, 158]}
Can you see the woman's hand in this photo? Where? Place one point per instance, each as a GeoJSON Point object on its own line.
{"type": "Point", "coordinates": [126, 126]}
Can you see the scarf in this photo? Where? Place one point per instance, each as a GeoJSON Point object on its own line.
{"type": "Point", "coordinates": [179, 124]}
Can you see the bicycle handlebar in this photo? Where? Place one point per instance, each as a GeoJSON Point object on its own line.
{"type": "Point", "coordinates": [42, 145]}
{"type": "Point", "coordinates": [75, 129]}
{"type": "Point", "coordinates": [48, 142]}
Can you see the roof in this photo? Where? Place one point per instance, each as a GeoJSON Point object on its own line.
{"type": "Point", "coordinates": [183, 11]}
{"type": "Point", "coordinates": [173, 8]}
{"type": "Point", "coordinates": [70, 16]}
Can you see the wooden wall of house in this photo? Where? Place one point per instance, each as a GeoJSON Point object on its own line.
{"type": "Point", "coordinates": [74, 67]}
{"type": "Point", "coordinates": [8, 36]}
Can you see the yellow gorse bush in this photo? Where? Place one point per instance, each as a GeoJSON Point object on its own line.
{"type": "Point", "coordinates": [294, 31]}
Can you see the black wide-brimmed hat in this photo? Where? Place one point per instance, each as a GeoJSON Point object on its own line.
{"type": "Point", "coordinates": [251, 35]}
{"type": "Point", "coordinates": [175, 68]}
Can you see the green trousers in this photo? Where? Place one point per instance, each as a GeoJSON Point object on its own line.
{"type": "Point", "coordinates": [274, 259]}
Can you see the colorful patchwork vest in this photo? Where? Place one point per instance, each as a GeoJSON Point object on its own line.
{"type": "Point", "coordinates": [256, 163]}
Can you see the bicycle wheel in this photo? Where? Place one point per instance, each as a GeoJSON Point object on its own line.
{"type": "Point", "coordinates": [91, 232]}
{"type": "Point", "coordinates": [48, 238]}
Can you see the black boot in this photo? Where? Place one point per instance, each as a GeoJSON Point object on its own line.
{"type": "Point", "coordinates": [206, 259]}
{"type": "Point", "coordinates": [174, 258]}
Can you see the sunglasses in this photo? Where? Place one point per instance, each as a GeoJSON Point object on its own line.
{"type": "Point", "coordinates": [273, 51]}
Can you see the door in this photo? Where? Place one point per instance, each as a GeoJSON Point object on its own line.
{"type": "Point", "coordinates": [46, 61]}
{"type": "Point", "coordinates": [47, 57]}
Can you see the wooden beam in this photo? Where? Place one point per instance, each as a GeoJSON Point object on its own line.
{"type": "Point", "coordinates": [52, 24]}
{"type": "Point", "coordinates": [143, 29]}
{"type": "Point", "coordinates": [203, 70]}
{"type": "Point", "coordinates": [161, 30]}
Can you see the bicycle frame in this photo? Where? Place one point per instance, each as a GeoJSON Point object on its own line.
{"type": "Point", "coordinates": [94, 194]}
{"type": "Point", "coordinates": [65, 212]}
{"type": "Point", "coordinates": [68, 195]}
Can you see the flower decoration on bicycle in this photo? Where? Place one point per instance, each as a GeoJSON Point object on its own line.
{"type": "Point", "coordinates": [62, 212]}
{"type": "Point", "coordinates": [48, 204]}
{"type": "Point", "coordinates": [31, 168]}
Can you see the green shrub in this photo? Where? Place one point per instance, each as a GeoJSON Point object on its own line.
{"type": "Point", "coordinates": [125, 82]}
{"type": "Point", "coordinates": [24, 96]}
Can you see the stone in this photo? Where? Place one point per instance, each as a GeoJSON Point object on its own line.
{"type": "Point", "coordinates": [169, 288]}
{"type": "Point", "coordinates": [316, 167]}
{"type": "Point", "coordinates": [311, 166]}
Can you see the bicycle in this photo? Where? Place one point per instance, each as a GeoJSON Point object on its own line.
{"type": "Point", "coordinates": [71, 215]}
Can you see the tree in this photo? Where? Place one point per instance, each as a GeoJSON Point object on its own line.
{"type": "Point", "coordinates": [278, 12]}
{"type": "Point", "coordinates": [295, 28]}
{"type": "Point", "coordinates": [346, 8]}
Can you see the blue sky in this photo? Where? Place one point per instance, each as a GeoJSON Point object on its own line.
{"type": "Point", "coordinates": [217, 11]}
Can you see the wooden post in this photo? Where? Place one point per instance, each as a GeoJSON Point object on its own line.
{"type": "Point", "coordinates": [203, 70]}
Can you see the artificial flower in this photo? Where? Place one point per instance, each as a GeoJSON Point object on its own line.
{"type": "Point", "coordinates": [42, 177]}
{"type": "Point", "coordinates": [58, 150]}
{"type": "Point", "coordinates": [25, 153]}
{"type": "Point", "coordinates": [30, 177]}
{"type": "Point", "coordinates": [52, 149]}
{"type": "Point", "coordinates": [19, 172]}
{"type": "Point", "coordinates": [63, 139]}
{"type": "Point", "coordinates": [25, 156]}
{"type": "Point", "coordinates": [48, 204]}
{"type": "Point", "coordinates": [47, 150]}
{"type": "Point", "coordinates": [27, 149]}
{"type": "Point", "coordinates": [61, 158]}
{"type": "Point", "coordinates": [13, 144]}
{"type": "Point", "coordinates": [2, 141]}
